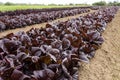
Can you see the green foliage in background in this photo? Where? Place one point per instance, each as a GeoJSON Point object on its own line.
{"type": "Point", "coordinates": [115, 3]}
{"type": "Point", "coordinates": [12, 6]}
{"type": "Point", "coordinates": [101, 3]}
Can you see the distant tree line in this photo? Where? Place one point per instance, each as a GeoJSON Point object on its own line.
{"type": "Point", "coordinates": [100, 3]}
{"type": "Point", "coordinates": [9, 3]}
{"type": "Point", "coordinates": [52, 4]}
{"type": "Point", "coordinates": [103, 3]}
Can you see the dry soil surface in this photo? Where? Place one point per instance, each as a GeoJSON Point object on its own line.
{"type": "Point", "coordinates": [42, 24]}
{"type": "Point", "coordinates": [106, 63]}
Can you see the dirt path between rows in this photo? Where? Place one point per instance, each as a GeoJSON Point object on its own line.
{"type": "Point", "coordinates": [42, 24]}
{"type": "Point", "coordinates": [106, 63]}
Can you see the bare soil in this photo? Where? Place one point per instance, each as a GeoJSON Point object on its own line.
{"type": "Point", "coordinates": [42, 24]}
{"type": "Point", "coordinates": [106, 63]}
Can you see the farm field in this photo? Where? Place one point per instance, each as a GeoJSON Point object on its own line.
{"type": "Point", "coordinates": [106, 63]}
{"type": "Point", "coordinates": [19, 7]}
{"type": "Point", "coordinates": [27, 28]}
{"type": "Point", "coordinates": [21, 18]}
{"type": "Point", "coordinates": [77, 46]}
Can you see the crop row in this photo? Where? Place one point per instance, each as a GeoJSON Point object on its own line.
{"type": "Point", "coordinates": [53, 53]}
{"type": "Point", "coordinates": [17, 21]}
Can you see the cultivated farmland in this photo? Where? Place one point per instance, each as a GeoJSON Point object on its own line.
{"type": "Point", "coordinates": [59, 47]}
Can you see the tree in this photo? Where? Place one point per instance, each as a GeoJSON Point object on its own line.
{"type": "Point", "coordinates": [115, 3]}
{"type": "Point", "coordinates": [8, 3]}
{"type": "Point", "coordinates": [71, 4]}
{"type": "Point", "coordinates": [52, 4]}
{"type": "Point", "coordinates": [101, 3]}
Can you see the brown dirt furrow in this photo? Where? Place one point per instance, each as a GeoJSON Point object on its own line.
{"type": "Point", "coordinates": [106, 63]}
{"type": "Point", "coordinates": [42, 24]}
